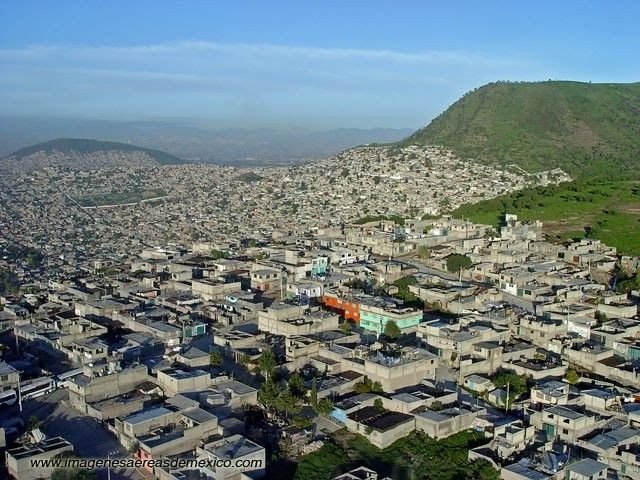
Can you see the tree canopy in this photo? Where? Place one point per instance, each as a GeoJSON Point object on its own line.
{"type": "Point", "coordinates": [457, 262]}
{"type": "Point", "coordinates": [392, 331]}
{"type": "Point", "coordinates": [267, 363]}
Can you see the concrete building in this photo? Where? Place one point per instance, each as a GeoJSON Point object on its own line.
{"type": "Point", "coordinates": [9, 377]}
{"type": "Point", "coordinates": [374, 316]}
{"type": "Point", "coordinates": [19, 460]}
{"type": "Point", "coordinates": [448, 421]}
{"type": "Point", "coordinates": [175, 380]}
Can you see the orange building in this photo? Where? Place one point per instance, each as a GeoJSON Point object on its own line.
{"type": "Point", "coordinates": [348, 308]}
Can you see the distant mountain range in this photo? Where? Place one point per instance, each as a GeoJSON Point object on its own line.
{"type": "Point", "coordinates": [196, 141]}
{"type": "Point", "coordinates": [589, 130]}
{"type": "Point", "coordinates": [88, 146]}
{"type": "Point", "coordinates": [84, 154]}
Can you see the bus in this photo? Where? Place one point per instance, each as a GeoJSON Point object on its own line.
{"type": "Point", "coordinates": [8, 397]}
{"type": "Point", "coordinates": [63, 379]}
{"type": "Point", "coordinates": [37, 387]}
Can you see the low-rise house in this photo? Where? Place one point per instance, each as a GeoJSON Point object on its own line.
{"type": "Point", "coordinates": [601, 400]}
{"type": "Point", "coordinates": [209, 289]}
{"type": "Point", "coordinates": [478, 384]}
{"type": "Point", "coordinates": [193, 357]}
{"type": "Point", "coordinates": [587, 469]}
{"type": "Point", "coordinates": [448, 421]}
{"type": "Point", "coordinates": [88, 351]}
{"type": "Point", "coordinates": [98, 383]}
{"type": "Point", "coordinates": [165, 430]}
{"type": "Point", "coordinates": [537, 369]}
{"type": "Point", "coordinates": [568, 423]}
{"type": "Point", "coordinates": [9, 377]}
{"type": "Point", "coordinates": [540, 330]}
{"type": "Point", "coordinates": [615, 447]}
{"type": "Point", "coordinates": [295, 320]}
{"type": "Point", "coordinates": [119, 405]}
{"type": "Point", "coordinates": [139, 346]}
{"type": "Point", "coordinates": [245, 457]}
{"type": "Point", "coordinates": [350, 403]}
{"type": "Point", "coordinates": [423, 395]}
{"type": "Point", "coordinates": [175, 380]}
{"type": "Point", "coordinates": [268, 280]}
{"type": "Point", "coordinates": [228, 395]}
{"type": "Point", "coordinates": [360, 473]}
{"type": "Point", "coordinates": [375, 315]}
{"type": "Point", "coordinates": [512, 438]}
{"type": "Point", "coordinates": [22, 461]}
{"type": "Point", "coordinates": [524, 470]}
{"type": "Point", "coordinates": [508, 441]}
{"type": "Point", "coordinates": [380, 426]}
{"type": "Point", "coordinates": [393, 369]}
{"type": "Point", "coordinates": [552, 392]}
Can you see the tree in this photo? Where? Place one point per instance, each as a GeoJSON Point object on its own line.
{"type": "Point", "coordinates": [218, 254]}
{"type": "Point", "coordinates": [9, 283]}
{"type": "Point", "coordinates": [34, 258]}
{"type": "Point", "coordinates": [392, 331]}
{"type": "Point", "coordinates": [517, 383]}
{"type": "Point", "coordinates": [367, 386]}
{"type": "Point", "coordinates": [457, 262]}
{"type": "Point", "coordinates": [286, 402]}
{"type": "Point", "coordinates": [268, 394]}
{"type": "Point", "coordinates": [378, 405]}
{"type": "Point", "coordinates": [600, 317]}
{"type": "Point", "coordinates": [436, 405]}
{"type": "Point", "coordinates": [215, 359]}
{"type": "Point", "coordinates": [267, 363]}
{"type": "Point", "coordinates": [572, 376]}
{"type": "Point", "coordinates": [345, 327]}
{"type": "Point", "coordinates": [325, 406]}
{"type": "Point", "coordinates": [296, 386]}
{"type": "Point", "coordinates": [33, 422]}
{"type": "Point", "coordinates": [72, 473]}
{"type": "Point", "coordinates": [244, 359]}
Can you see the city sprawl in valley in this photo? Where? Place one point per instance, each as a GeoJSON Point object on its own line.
{"type": "Point", "coordinates": [327, 320]}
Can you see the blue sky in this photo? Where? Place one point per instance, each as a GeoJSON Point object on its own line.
{"type": "Point", "coordinates": [298, 64]}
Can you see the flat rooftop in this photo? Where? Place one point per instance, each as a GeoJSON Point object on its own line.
{"type": "Point", "coordinates": [379, 420]}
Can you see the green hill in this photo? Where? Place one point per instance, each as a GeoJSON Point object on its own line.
{"type": "Point", "coordinates": [87, 146]}
{"type": "Point", "coordinates": [586, 129]}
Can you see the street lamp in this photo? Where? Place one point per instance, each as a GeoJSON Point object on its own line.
{"type": "Point", "coordinates": [19, 394]}
{"type": "Point", "coordinates": [115, 452]}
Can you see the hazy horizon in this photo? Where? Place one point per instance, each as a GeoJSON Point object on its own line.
{"type": "Point", "coordinates": [289, 65]}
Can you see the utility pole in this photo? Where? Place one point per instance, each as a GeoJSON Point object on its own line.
{"type": "Point", "coordinates": [506, 407]}
{"type": "Point", "coordinates": [281, 286]}
{"type": "Point", "coordinates": [19, 394]}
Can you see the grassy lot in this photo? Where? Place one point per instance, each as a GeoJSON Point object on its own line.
{"type": "Point", "coordinates": [414, 457]}
{"type": "Point", "coordinates": [607, 211]}
{"type": "Point", "coordinates": [120, 198]}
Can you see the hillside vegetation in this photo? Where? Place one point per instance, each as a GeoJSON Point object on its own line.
{"type": "Point", "coordinates": [87, 146]}
{"type": "Point", "coordinates": [414, 457]}
{"type": "Point", "coordinates": [588, 130]}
